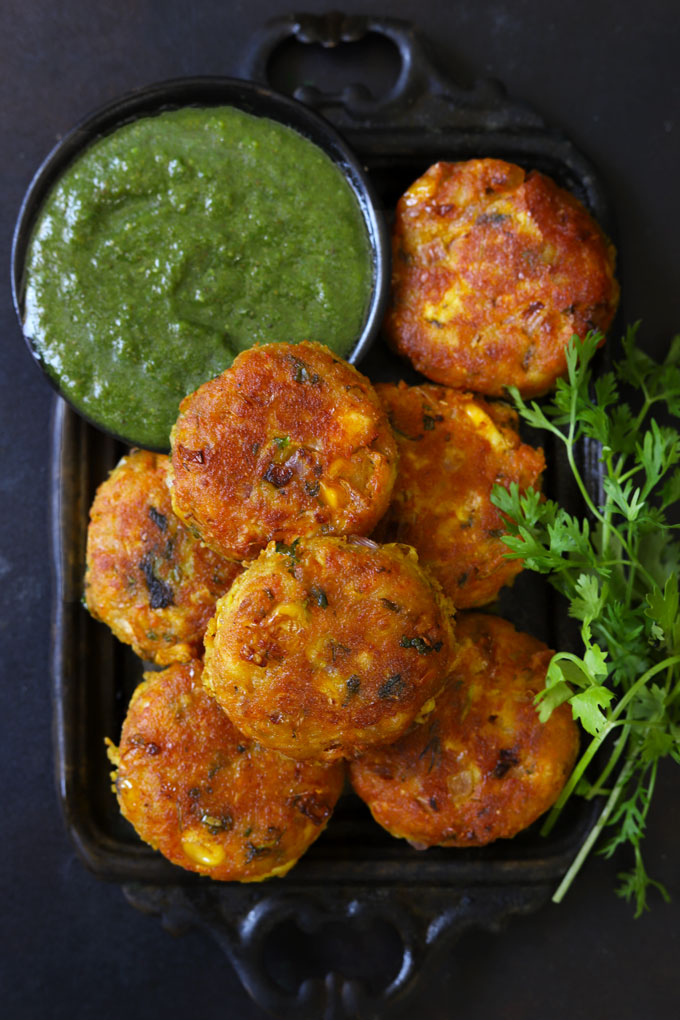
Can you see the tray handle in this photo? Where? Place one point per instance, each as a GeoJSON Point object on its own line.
{"type": "Point", "coordinates": [243, 923]}
{"type": "Point", "coordinates": [419, 83]}
{"type": "Point", "coordinates": [330, 30]}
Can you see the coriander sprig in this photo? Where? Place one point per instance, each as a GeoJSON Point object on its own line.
{"type": "Point", "coordinates": [617, 564]}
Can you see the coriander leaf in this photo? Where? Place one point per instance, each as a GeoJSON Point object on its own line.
{"type": "Point", "coordinates": [587, 602]}
{"type": "Point", "coordinates": [595, 661]}
{"type": "Point", "coordinates": [587, 707]}
{"type": "Point", "coordinates": [635, 365]}
{"type": "Point", "coordinates": [650, 704]}
{"type": "Point", "coordinates": [606, 391]}
{"type": "Point", "coordinates": [635, 884]}
{"type": "Point", "coordinates": [628, 500]}
{"type": "Point", "coordinates": [660, 449]}
{"type": "Point", "coordinates": [532, 413]}
{"type": "Point", "coordinates": [552, 698]}
{"type": "Point", "coordinates": [570, 670]}
{"type": "Point", "coordinates": [622, 430]}
{"type": "Point", "coordinates": [660, 553]}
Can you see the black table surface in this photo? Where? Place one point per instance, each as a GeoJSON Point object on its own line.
{"type": "Point", "coordinates": [72, 946]}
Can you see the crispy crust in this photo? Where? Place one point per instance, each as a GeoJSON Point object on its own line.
{"type": "Point", "coordinates": [208, 798]}
{"type": "Point", "coordinates": [453, 448]}
{"type": "Point", "coordinates": [290, 441]}
{"type": "Point", "coordinates": [329, 647]}
{"type": "Point", "coordinates": [482, 766]}
{"type": "Point", "coordinates": [147, 577]}
{"type": "Point", "coordinates": [494, 270]}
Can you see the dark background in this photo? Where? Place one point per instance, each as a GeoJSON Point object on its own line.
{"type": "Point", "coordinates": [70, 945]}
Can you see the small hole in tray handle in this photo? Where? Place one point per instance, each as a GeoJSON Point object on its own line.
{"type": "Point", "coordinates": [371, 955]}
{"type": "Point", "coordinates": [356, 61]}
{"type": "Point", "coordinates": [369, 67]}
{"type": "Point", "coordinates": [307, 956]}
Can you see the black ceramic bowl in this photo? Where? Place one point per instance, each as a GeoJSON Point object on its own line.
{"type": "Point", "coordinates": [249, 97]}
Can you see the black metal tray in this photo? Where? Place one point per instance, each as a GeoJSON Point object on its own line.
{"type": "Point", "coordinates": [355, 876]}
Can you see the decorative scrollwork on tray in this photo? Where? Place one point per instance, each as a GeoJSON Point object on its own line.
{"type": "Point", "coordinates": [245, 923]}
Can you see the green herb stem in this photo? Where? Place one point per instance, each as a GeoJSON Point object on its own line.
{"type": "Point", "coordinates": [596, 789]}
{"type": "Point", "coordinates": [595, 744]}
{"type": "Point", "coordinates": [594, 834]}
{"type": "Point", "coordinates": [668, 663]}
{"type": "Point", "coordinates": [575, 777]}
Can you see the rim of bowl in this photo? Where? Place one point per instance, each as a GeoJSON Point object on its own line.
{"type": "Point", "coordinates": [204, 91]}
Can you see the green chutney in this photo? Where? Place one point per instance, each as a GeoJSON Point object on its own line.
{"type": "Point", "coordinates": [178, 241]}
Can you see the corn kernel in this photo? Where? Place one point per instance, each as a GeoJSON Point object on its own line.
{"type": "Point", "coordinates": [428, 707]}
{"type": "Point", "coordinates": [291, 611]}
{"type": "Point", "coordinates": [332, 495]}
{"type": "Point", "coordinates": [202, 852]}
